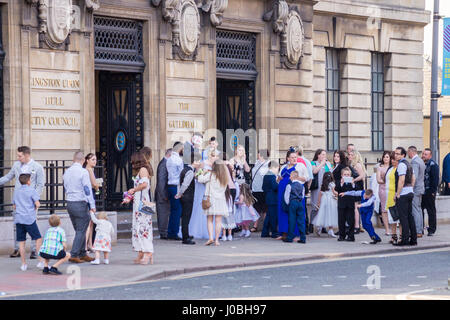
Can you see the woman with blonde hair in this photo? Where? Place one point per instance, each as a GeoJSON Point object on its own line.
{"type": "Point", "coordinates": [239, 163]}
{"type": "Point", "coordinates": [142, 228]}
{"type": "Point", "coordinates": [359, 174]}
{"type": "Point", "coordinates": [218, 194]}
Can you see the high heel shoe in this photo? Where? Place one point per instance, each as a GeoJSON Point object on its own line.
{"type": "Point", "coordinates": [209, 242]}
{"type": "Point", "coordinates": [147, 259]}
{"type": "Point", "coordinates": [138, 259]}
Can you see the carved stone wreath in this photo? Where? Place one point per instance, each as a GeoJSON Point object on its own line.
{"type": "Point", "coordinates": [287, 23]}
{"type": "Point", "coordinates": [184, 17]}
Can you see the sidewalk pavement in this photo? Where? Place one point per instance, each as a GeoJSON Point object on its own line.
{"type": "Point", "coordinates": [173, 258]}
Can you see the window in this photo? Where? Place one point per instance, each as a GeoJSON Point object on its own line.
{"type": "Point", "coordinates": [377, 101]}
{"type": "Point", "coordinates": [333, 99]}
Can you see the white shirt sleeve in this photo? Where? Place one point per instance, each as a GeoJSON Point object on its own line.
{"type": "Point", "coordinates": [287, 193]}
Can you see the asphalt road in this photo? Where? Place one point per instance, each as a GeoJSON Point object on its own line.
{"type": "Point", "coordinates": [426, 272]}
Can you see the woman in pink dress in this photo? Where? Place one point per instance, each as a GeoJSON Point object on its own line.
{"type": "Point", "coordinates": [381, 179]}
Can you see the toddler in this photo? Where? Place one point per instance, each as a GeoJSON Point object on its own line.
{"type": "Point", "coordinates": [104, 232]}
{"type": "Point", "coordinates": [245, 213]}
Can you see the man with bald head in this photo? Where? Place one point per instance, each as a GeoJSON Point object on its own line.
{"type": "Point", "coordinates": [80, 201]}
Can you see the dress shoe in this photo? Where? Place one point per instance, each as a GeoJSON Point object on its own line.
{"type": "Point", "coordinates": [375, 240]}
{"type": "Point", "coordinates": [15, 254]}
{"type": "Point", "coordinates": [301, 241]}
{"type": "Point", "coordinates": [76, 260]}
{"type": "Point", "coordinates": [177, 238]}
{"type": "Point", "coordinates": [400, 244]}
{"type": "Point", "coordinates": [413, 243]}
{"type": "Point", "coordinates": [350, 239]}
{"type": "Point", "coordinates": [188, 241]}
{"type": "Point", "coordinates": [163, 237]}
{"type": "Point", "coordinates": [341, 239]}
{"type": "Point", "coordinates": [87, 258]}
{"type": "Point", "coordinates": [430, 234]}
{"type": "Point", "coordinates": [33, 255]}
{"type": "Point", "coordinates": [288, 241]}
{"type": "Point", "coordinates": [356, 231]}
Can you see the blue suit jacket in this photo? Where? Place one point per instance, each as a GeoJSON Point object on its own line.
{"type": "Point", "coordinates": [270, 188]}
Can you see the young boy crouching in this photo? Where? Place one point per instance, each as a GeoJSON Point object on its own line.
{"type": "Point", "coordinates": [54, 246]}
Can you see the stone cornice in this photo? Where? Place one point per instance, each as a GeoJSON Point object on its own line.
{"type": "Point", "coordinates": [366, 10]}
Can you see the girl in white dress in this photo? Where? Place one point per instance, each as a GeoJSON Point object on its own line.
{"type": "Point", "coordinates": [228, 223]}
{"type": "Point", "coordinates": [216, 188]}
{"type": "Point", "coordinates": [245, 213]}
{"type": "Point", "coordinates": [327, 216]}
{"type": "Point", "coordinates": [104, 231]}
{"type": "Point", "coordinates": [142, 228]}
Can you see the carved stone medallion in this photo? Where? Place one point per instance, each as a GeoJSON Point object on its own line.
{"type": "Point", "coordinates": [55, 21]}
{"type": "Point", "coordinates": [189, 28]}
{"type": "Point", "coordinates": [287, 23]}
{"type": "Point", "coordinates": [295, 37]}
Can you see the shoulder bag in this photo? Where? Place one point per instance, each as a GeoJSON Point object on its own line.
{"type": "Point", "coordinates": [206, 201]}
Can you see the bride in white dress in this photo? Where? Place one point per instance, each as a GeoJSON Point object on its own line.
{"type": "Point", "coordinates": [197, 225]}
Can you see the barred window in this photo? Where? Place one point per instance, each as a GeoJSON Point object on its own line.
{"type": "Point", "coordinates": [333, 91]}
{"type": "Point", "coordinates": [377, 101]}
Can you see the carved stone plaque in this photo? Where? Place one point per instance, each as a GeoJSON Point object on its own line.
{"type": "Point", "coordinates": [295, 37]}
{"type": "Point", "coordinates": [189, 28]}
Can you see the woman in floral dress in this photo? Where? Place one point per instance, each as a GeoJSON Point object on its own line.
{"type": "Point", "coordinates": [142, 228]}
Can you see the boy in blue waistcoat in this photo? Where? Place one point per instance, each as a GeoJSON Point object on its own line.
{"type": "Point", "coordinates": [366, 209]}
{"type": "Point", "coordinates": [293, 196]}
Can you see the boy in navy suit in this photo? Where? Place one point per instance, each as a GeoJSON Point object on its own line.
{"type": "Point", "coordinates": [293, 196]}
{"type": "Point", "coordinates": [270, 189]}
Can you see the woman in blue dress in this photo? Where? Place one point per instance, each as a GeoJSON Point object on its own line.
{"type": "Point", "coordinates": [285, 173]}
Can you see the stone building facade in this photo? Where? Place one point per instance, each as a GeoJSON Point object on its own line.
{"type": "Point", "coordinates": [111, 76]}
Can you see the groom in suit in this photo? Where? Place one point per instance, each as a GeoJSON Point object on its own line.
{"type": "Point", "coordinates": [162, 196]}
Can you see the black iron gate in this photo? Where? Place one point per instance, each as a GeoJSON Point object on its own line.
{"type": "Point", "coordinates": [121, 130]}
{"type": "Point", "coordinates": [2, 130]}
{"type": "Point", "coordinates": [236, 110]}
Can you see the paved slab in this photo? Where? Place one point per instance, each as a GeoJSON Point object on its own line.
{"type": "Point", "coordinates": [173, 258]}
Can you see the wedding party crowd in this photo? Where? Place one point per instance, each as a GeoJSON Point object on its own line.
{"type": "Point", "coordinates": [203, 194]}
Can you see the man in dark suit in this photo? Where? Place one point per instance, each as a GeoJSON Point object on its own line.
{"type": "Point", "coordinates": [431, 185]}
{"type": "Point", "coordinates": [186, 195]}
{"type": "Point", "coordinates": [446, 174]}
{"type": "Point", "coordinates": [270, 189]}
{"type": "Point", "coordinates": [162, 196]}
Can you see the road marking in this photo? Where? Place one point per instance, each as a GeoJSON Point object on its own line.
{"type": "Point", "coordinates": [405, 296]}
{"type": "Point", "coordinates": [164, 288]}
{"type": "Point", "coordinates": [127, 289]}
{"type": "Point", "coordinates": [327, 285]}
{"type": "Point", "coordinates": [342, 277]}
{"type": "Point", "coordinates": [206, 287]}
{"type": "Point", "coordinates": [247, 286]}
{"type": "Point", "coordinates": [413, 285]}
{"type": "Point", "coordinates": [304, 277]}
{"type": "Point", "coordinates": [422, 277]}
{"type": "Point", "coordinates": [286, 286]}
{"type": "Point", "coordinates": [267, 277]}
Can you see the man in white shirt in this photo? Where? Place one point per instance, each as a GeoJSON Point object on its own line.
{"type": "Point", "coordinates": [174, 167]}
{"type": "Point", "coordinates": [258, 172]}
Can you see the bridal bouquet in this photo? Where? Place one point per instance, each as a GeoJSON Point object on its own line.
{"type": "Point", "coordinates": [200, 172]}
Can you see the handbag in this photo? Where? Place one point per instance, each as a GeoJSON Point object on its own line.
{"type": "Point", "coordinates": [144, 208]}
{"type": "Point", "coordinates": [206, 201]}
{"type": "Point", "coordinates": [394, 213]}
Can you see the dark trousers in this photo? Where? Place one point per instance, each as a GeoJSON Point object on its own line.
{"type": "Point", "coordinates": [346, 215]}
{"type": "Point", "coordinates": [163, 213]}
{"type": "Point", "coordinates": [404, 208]}
{"type": "Point", "coordinates": [296, 217]}
{"type": "Point", "coordinates": [366, 219]}
{"type": "Point", "coordinates": [79, 215]}
{"type": "Point", "coordinates": [271, 222]}
{"type": "Point", "coordinates": [186, 212]}
{"type": "Point", "coordinates": [429, 204]}
{"type": "Point", "coordinates": [175, 213]}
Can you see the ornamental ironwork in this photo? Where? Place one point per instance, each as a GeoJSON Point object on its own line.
{"type": "Point", "coordinates": [118, 42]}
{"type": "Point", "coordinates": [236, 54]}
